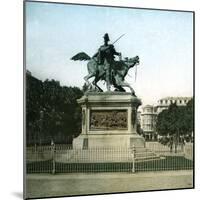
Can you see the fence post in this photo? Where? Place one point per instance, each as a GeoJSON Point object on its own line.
{"type": "Point", "coordinates": [53, 157]}
{"type": "Point", "coordinates": [133, 158]}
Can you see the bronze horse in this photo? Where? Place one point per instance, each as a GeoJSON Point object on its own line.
{"type": "Point", "coordinates": [118, 72]}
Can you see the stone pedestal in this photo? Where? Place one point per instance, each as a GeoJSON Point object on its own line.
{"type": "Point", "coordinates": [109, 120]}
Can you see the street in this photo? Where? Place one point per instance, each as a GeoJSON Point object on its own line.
{"type": "Point", "coordinates": [46, 185]}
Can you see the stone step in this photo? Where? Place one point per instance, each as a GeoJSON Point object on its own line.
{"type": "Point", "coordinates": [107, 155]}
{"type": "Point", "coordinates": [145, 154]}
{"type": "Point", "coordinates": [147, 158]}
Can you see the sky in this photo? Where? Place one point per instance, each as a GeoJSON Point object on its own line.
{"type": "Point", "coordinates": [162, 39]}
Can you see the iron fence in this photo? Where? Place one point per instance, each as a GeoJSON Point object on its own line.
{"type": "Point", "coordinates": [65, 159]}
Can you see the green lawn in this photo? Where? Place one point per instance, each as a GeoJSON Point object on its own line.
{"type": "Point", "coordinates": [169, 163]}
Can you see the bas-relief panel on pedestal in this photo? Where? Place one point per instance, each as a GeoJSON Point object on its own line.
{"type": "Point", "coordinates": [108, 119]}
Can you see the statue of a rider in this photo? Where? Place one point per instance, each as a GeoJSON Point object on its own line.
{"type": "Point", "coordinates": [105, 56]}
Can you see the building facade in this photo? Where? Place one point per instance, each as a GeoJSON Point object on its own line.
{"type": "Point", "coordinates": [149, 115]}
{"type": "Point", "coordinates": [165, 102]}
{"type": "Point", "coordinates": [148, 122]}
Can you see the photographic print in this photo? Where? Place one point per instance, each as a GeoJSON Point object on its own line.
{"type": "Point", "coordinates": [109, 99]}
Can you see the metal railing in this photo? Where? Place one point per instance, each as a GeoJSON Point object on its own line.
{"type": "Point", "coordinates": [65, 159]}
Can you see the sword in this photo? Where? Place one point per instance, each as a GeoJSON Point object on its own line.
{"type": "Point", "coordinates": [118, 38]}
{"type": "Point", "coordinates": [136, 72]}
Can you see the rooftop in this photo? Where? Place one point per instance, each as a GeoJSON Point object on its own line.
{"type": "Point", "coordinates": [175, 98]}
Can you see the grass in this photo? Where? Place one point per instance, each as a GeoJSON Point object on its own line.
{"type": "Point", "coordinates": [169, 163]}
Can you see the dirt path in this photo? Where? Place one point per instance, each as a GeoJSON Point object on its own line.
{"type": "Point", "coordinates": [79, 184]}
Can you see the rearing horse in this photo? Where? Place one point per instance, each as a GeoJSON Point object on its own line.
{"type": "Point", "coordinates": [118, 72]}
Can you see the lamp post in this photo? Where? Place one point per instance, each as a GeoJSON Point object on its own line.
{"type": "Point", "coordinates": [53, 157]}
{"type": "Point", "coordinates": [133, 158]}
{"type": "Point", "coordinates": [41, 123]}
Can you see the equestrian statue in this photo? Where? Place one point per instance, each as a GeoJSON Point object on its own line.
{"type": "Point", "coordinates": [103, 66]}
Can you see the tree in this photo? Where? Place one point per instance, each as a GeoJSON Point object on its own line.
{"type": "Point", "coordinates": [139, 129]}
{"type": "Point", "coordinates": [85, 87]}
{"type": "Point", "coordinates": [174, 123]}
{"type": "Point", "coordinates": [166, 125]}
{"type": "Point", "coordinates": [163, 123]}
{"type": "Point", "coordinates": [190, 118]}
{"type": "Point", "coordinates": [61, 114]}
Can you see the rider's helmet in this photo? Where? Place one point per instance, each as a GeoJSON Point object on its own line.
{"type": "Point", "coordinates": [106, 37]}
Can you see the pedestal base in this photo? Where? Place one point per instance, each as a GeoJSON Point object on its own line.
{"type": "Point", "coordinates": [109, 119]}
{"type": "Point", "coordinates": [89, 141]}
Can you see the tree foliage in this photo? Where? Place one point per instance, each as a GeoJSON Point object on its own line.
{"type": "Point", "coordinates": [176, 118]}
{"type": "Point", "coordinates": [175, 124]}
{"type": "Point", "coordinates": [52, 111]}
